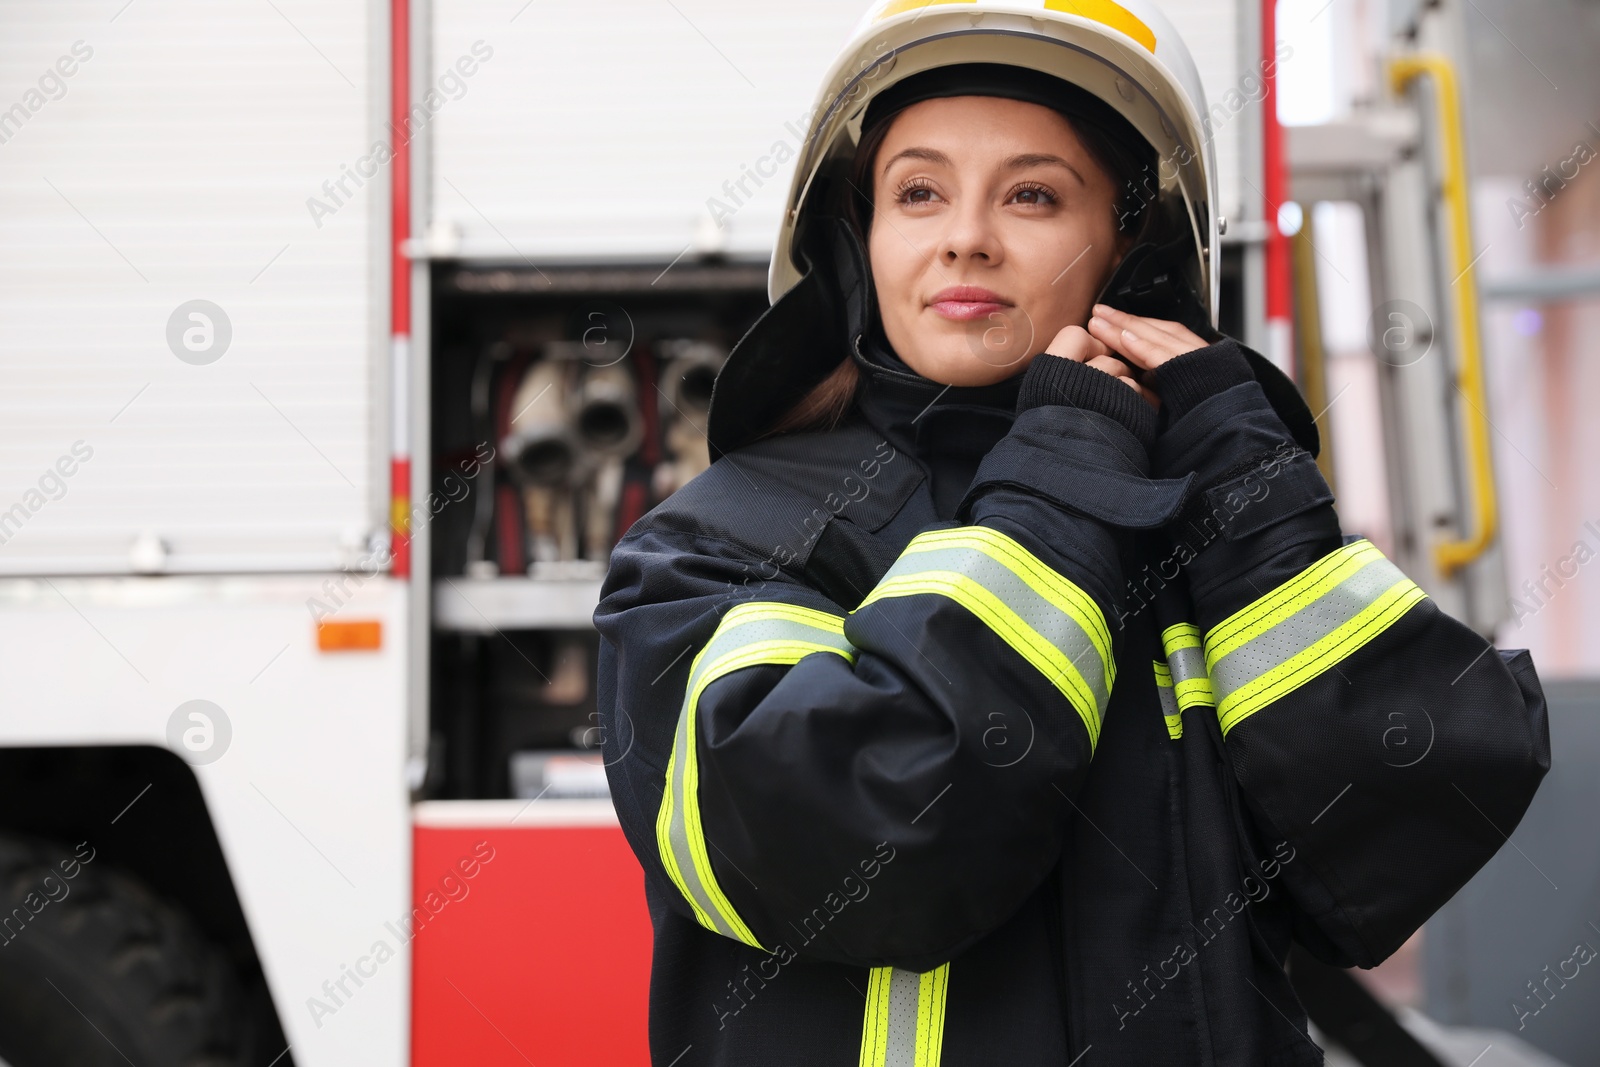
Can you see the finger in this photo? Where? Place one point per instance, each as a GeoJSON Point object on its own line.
{"type": "Point", "coordinates": [1135, 342]}
{"type": "Point", "coordinates": [1076, 343]}
{"type": "Point", "coordinates": [1180, 338]}
{"type": "Point", "coordinates": [1143, 324]}
{"type": "Point", "coordinates": [1113, 366]}
{"type": "Point", "coordinates": [1103, 331]}
{"type": "Point", "coordinates": [1112, 336]}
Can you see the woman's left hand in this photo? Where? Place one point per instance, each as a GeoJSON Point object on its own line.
{"type": "Point", "coordinates": [1147, 343]}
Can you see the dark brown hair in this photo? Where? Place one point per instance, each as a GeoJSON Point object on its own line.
{"type": "Point", "coordinates": [1132, 168]}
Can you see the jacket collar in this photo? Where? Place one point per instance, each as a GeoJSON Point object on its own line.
{"type": "Point", "coordinates": [926, 418]}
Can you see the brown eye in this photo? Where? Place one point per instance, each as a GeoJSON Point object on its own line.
{"type": "Point", "coordinates": [1036, 195]}
{"type": "Point", "coordinates": [905, 193]}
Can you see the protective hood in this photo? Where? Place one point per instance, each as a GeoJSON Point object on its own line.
{"type": "Point", "coordinates": [797, 342]}
{"type": "Point", "coordinates": [800, 339]}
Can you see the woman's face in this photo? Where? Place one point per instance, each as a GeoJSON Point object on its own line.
{"type": "Point", "coordinates": [988, 193]}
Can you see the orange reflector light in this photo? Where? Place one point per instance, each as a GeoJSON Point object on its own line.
{"type": "Point", "coordinates": [354, 636]}
{"type": "Point", "coordinates": [900, 7]}
{"type": "Point", "coordinates": [1108, 13]}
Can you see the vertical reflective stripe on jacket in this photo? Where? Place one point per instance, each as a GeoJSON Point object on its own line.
{"type": "Point", "coordinates": [751, 633]}
{"type": "Point", "coordinates": [1304, 628]}
{"type": "Point", "coordinates": [904, 1021]}
{"type": "Point", "coordinates": [1186, 659]}
{"type": "Point", "coordinates": [1052, 623]}
{"type": "Point", "coordinates": [1181, 680]}
{"type": "Point", "coordinates": [1169, 700]}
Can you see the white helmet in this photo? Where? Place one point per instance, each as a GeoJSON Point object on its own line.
{"type": "Point", "coordinates": [1127, 54]}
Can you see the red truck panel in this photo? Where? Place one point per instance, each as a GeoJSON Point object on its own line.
{"type": "Point", "coordinates": [531, 941]}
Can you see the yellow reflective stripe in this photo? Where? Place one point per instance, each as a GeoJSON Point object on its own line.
{"type": "Point", "coordinates": [903, 1025]}
{"type": "Point", "coordinates": [1256, 618]}
{"type": "Point", "coordinates": [1283, 679]}
{"type": "Point", "coordinates": [750, 634]}
{"type": "Point", "coordinates": [1048, 583]}
{"type": "Point", "coordinates": [1044, 656]}
{"type": "Point", "coordinates": [1170, 709]}
{"type": "Point", "coordinates": [875, 1020]}
{"type": "Point", "coordinates": [931, 988]}
{"type": "Point", "coordinates": [1303, 628]}
{"type": "Point", "coordinates": [1194, 692]}
{"type": "Point", "coordinates": [1046, 618]}
{"type": "Point", "coordinates": [1180, 635]}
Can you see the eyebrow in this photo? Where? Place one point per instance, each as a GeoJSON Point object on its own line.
{"type": "Point", "coordinates": [1017, 162]}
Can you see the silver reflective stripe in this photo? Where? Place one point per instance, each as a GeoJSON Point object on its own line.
{"type": "Point", "coordinates": [1300, 630]}
{"type": "Point", "coordinates": [751, 634]}
{"type": "Point", "coordinates": [902, 1045]}
{"type": "Point", "coordinates": [1057, 627]}
{"type": "Point", "coordinates": [1186, 660]}
{"type": "Point", "coordinates": [689, 879]}
{"type": "Point", "coordinates": [1287, 639]}
{"type": "Point", "coordinates": [1187, 664]}
{"type": "Point", "coordinates": [757, 623]}
{"type": "Point", "coordinates": [1171, 704]}
{"type": "Point", "coordinates": [1169, 699]}
{"type": "Point", "coordinates": [904, 1021]}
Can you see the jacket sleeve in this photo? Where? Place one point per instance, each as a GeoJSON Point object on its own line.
{"type": "Point", "coordinates": [1390, 744]}
{"type": "Point", "coordinates": [881, 785]}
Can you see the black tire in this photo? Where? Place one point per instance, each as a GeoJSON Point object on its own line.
{"type": "Point", "coordinates": [96, 970]}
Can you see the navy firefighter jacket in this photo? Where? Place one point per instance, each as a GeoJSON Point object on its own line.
{"type": "Point", "coordinates": [998, 724]}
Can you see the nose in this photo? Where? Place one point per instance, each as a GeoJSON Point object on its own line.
{"type": "Point", "coordinates": [971, 234]}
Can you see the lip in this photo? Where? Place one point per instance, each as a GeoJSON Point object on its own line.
{"type": "Point", "coordinates": [965, 302]}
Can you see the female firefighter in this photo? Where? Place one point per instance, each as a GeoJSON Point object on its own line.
{"type": "Point", "coordinates": [1006, 688]}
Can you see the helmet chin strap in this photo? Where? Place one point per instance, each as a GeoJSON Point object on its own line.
{"type": "Point", "coordinates": [851, 274]}
{"type": "Point", "coordinates": [1151, 281]}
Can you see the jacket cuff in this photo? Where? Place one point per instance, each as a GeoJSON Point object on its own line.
{"type": "Point", "coordinates": [1249, 474]}
{"type": "Point", "coordinates": [1186, 380]}
{"type": "Point", "coordinates": [1081, 461]}
{"type": "Point", "coordinates": [1052, 379]}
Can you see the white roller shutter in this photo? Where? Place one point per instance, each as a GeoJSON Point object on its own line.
{"type": "Point", "coordinates": [601, 131]}
{"type": "Point", "coordinates": [174, 164]}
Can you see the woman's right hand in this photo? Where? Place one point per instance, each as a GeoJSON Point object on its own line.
{"type": "Point", "coordinates": [1076, 343]}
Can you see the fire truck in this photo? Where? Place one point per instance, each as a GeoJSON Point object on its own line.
{"type": "Point", "coordinates": [340, 342]}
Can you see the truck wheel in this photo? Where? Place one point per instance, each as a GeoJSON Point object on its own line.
{"type": "Point", "coordinates": [96, 970]}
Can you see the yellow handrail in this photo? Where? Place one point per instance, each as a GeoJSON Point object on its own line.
{"type": "Point", "coordinates": [1452, 554]}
